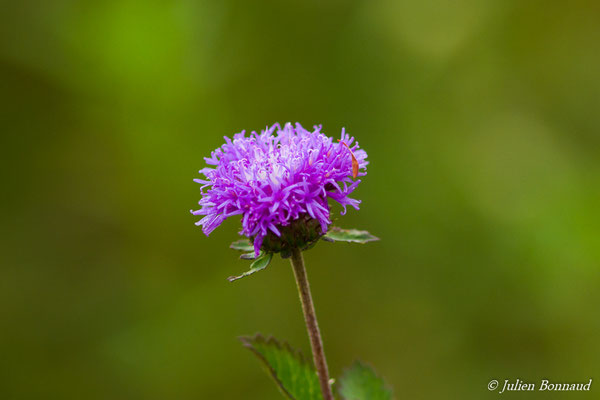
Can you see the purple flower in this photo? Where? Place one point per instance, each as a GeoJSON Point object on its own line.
{"type": "Point", "coordinates": [277, 177]}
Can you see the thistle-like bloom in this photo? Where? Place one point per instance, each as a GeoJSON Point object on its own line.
{"type": "Point", "coordinates": [278, 179]}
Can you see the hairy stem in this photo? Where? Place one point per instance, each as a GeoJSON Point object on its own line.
{"type": "Point", "coordinates": [312, 326]}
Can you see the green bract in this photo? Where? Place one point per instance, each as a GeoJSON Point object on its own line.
{"type": "Point", "coordinates": [302, 234]}
{"type": "Point", "coordinates": [261, 262]}
{"type": "Point", "coordinates": [349, 235]}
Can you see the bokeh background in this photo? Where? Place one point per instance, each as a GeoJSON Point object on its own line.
{"type": "Point", "coordinates": [481, 120]}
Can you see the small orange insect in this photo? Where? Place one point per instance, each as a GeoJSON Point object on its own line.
{"type": "Point", "coordinates": [354, 160]}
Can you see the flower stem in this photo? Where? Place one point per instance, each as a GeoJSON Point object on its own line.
{"type": "Point", "coordinates": [312, 326]}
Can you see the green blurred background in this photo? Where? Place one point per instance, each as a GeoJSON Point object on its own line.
{"type": "Point", "coordinates": [481, 120]}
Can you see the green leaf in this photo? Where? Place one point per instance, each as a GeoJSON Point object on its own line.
{"type": "Point", "coordinates": [349, 235]}
{"type": "Point", "coordinates": [261, 262]}
{"type": "Point", "coordinates": [359, 382]}
{"type": "Point", "coordinates": [293, 374]}
{"type": "Point", "coordinates": [242, 245]}
{"type": "Point", "coordinates": [250, 256]}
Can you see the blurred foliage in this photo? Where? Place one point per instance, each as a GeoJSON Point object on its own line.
{"type": "Point", "coordinates": [292, 372]}
{"type": "Point", "coordinates": [481, 123]}
{"type": "Point", "coordinates": [360, 382]}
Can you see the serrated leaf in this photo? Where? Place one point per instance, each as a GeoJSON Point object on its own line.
{"type": "Point", "coordinates": [242, 245]}
{"type": "Point", "coordinates": [294, 375]}
{"type": "Point", "coordinates": [260, 263]}
{"type": "Point", "coordinates": [349, 235]}
{"type": "Point", "coordinates": [360, 382]}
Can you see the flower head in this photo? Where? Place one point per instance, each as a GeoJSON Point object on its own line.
{"type": "Point", "coordinates": [277, 180]}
